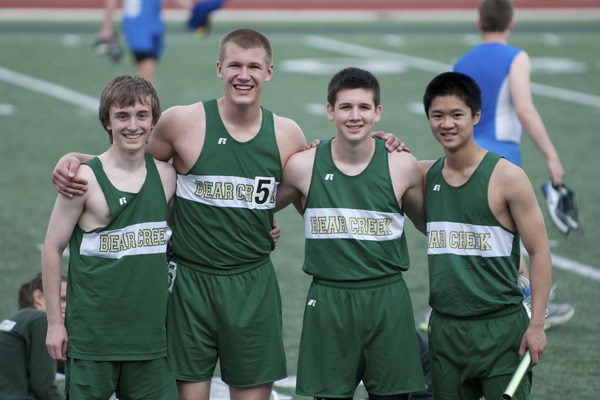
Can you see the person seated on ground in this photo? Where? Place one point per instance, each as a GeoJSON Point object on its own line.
{"type": "Point", "coordinates": [26, 369]}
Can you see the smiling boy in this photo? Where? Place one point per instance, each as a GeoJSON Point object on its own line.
{"type": "Point", "coordinates": [477, 206]}
{"type": "Point", "coordinates": [355, 197]}
{"type": "Point", "coordinates": [113, 336]}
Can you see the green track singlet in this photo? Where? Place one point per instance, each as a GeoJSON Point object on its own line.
{"type": "Point", "coordinates": [117, 279]}
{"type": "Point", "coordinates": [473, 259]}
{"type": "Point", "coordinates": [225, 204]}
{"type": "Point", "coordinates": [353, 225]}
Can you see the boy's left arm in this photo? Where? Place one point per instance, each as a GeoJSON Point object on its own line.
{"type": "Point", "coordinates": [529, 220]}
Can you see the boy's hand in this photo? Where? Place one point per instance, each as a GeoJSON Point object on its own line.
{"type": "Point", "coordinates": [275, 232]}
{"type": "Point", "coordinates": [313, 144]}
{"type": "Point", "coordinates": [392, 143]}
{"type": "Point", "coordinates": [65, 179]}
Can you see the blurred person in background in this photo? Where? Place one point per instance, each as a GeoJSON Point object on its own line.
{"type": "Point", "coordinates": [26, 369]}
{"type": "Point", "coordinates": [144, 29]}
{"type": "Point", "coordinates": [503, 73]}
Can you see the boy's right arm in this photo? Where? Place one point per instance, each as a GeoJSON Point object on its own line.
{"type": "Point", "coordinates": [65, 215]}
{"type": "Point", "coordinates": [529, 117]}
{"type": "Point", "coordinates": [64, 175]}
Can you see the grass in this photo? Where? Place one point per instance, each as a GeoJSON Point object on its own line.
{"type": "Point", "coordinates": [36, 129]}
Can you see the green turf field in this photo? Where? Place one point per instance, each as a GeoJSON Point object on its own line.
{"type": "Point", "coordinates": [50, 80]}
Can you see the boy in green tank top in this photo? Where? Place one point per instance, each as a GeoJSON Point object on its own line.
{"type": "Point", "coordinates": [478, 205]}
{"type": "Point", "coordinates": [358, 319]}
{"type": "Point", "coordinates": [113, 337]}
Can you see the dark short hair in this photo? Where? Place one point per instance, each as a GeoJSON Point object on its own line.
{"type": "Point", "coordinates": [495, 15]}
{"type": "Point", "coordinates": [124, 91]}
{"type": "Point", "coordinates": [453, 84]}
{"type": "Point", "coordinates": [353, 78]}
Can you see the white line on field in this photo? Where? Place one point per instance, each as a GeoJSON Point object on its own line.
{"type": "Point", "coordinates": [48, 88]}
{"type": "Point", "coordinates": [424, 64]}
{"type": "Point", "coordinates": [575, 267]}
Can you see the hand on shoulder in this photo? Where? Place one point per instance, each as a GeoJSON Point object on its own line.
{"type": "Point", "coordinates": [65, 176]}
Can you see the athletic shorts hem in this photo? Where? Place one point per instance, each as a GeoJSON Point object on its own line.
{"type": "Point", "coordinates": [325, 396]}
{"type": "Point", "coordinates": [344, 396]}
{"type": "Point", "coordinates": [191, 379]}
{"type": "Point", "coordinates": [117, 358]}
{"type": "Point", "coordinates": [256, 384]}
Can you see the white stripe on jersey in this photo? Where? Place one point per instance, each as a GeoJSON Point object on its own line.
{"type": "Point", "coordinates": [228, 191]}
{"type": "Point", "coordinates": [132, 8]}
{"type": "Point", "coordinates": [144, 238]}
{"type": "Point", "coordinates": [508, 128]}
{"type": "Point", "coordinates": [468, 240]}
{"type": "Point", "coordinates": [347, 223]}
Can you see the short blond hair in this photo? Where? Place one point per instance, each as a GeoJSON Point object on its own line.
{"type": "Point", "coordinates": [246, 39]}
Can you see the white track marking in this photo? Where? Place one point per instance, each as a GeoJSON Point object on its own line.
{"type": "Point", "coordinates": [424, 64]}
{"type": "Point", "coordinates": [48, 88]}
{"type": "Point", "coordinates": [575, 267]}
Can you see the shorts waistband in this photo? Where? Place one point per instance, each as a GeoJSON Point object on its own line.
{"type": "Point", "coordinates": [507, 310]}
{"type": "Point", "coordinates": [219, 271]}
{"type": "Point", "coordinates": [368, 284]}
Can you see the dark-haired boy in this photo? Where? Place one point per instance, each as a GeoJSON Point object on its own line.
{"type": "Point", "coordinates": [358, 318]}
{"type": "Point", "coordinates": [477, 206]}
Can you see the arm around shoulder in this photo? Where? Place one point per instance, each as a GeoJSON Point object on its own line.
{"type": "Point", "coordinates": [296, 180]}
{"type": "Point", "coordinates": [65, 178]}
{"type": "Point", "coordinates": [290, 138]}
{"type": "Point", "coordinates": [408, 186]}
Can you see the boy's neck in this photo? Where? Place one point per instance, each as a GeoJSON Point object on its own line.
{"type": "Point", "coordinates": [352, 157]}
{"type": "Point", "coordinates": [121, 159]}
{"type": "Point", "coordinates": [462, 162]}
{"type": "Point", "coordinates": [495, 37]}
{"type": "Point", "coordinates": [241, 121]}
{"type": "Point", "coordinates": [126, 171]}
